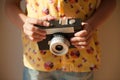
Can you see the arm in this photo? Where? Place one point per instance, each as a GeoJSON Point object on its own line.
{"type": "Point", "coordinates": [82, 38]}
{"type": "Point", "coordinates": [26, 24]}
{"type": "Point", "coordinates": [102, 13]}
{"type": "Point", "coordinates": [15, 14]}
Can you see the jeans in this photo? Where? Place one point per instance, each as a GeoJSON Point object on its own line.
{"type": "Point", "coordinates": [30, 74]}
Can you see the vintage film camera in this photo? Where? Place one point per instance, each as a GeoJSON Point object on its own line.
{"type": "Point", "coordinates": [59, 34]}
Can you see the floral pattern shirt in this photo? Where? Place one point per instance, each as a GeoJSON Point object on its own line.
{"type": "Point", "coordinates": [75, 60]}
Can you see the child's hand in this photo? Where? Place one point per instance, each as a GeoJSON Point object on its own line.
{"type": "Point", "coordinates": [82, 38]}
{"type": "Point", "coordinates": [35, 33]}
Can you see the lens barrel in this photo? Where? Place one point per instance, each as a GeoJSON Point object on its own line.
{"type": "Point", "coordinates": [59, 45]}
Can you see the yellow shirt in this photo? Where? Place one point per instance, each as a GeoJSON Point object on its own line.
{"type": "Point", "coordinates": [75, 60]}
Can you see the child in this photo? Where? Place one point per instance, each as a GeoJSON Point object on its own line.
{"type": "Point", "coordinates": [80, 62]}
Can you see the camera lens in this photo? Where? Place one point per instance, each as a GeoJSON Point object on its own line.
{"type": "Point", "coordinates": [59, 47]}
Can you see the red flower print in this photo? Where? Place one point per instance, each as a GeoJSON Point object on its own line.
{"type": "Point", "coordinates": [71, 6]}
{"type": "Point", "coordinates": [75, 54]}
{"type": "Point", "coordinates": [78, 11]}
{"type": "Point", "coordinates": [38, 59]}
{"type": "Point", "coordinates": [80, 65]}
{"type": "Point", "coordinates": [97, 58]}
{"type": "Point", "coordinates": [96, 43]}
{"type": "Point", "coordinates": [73, 1]}
{"type": "Point", "coordinates": [48, 65]}
{"type": "Point", "coordinates": [93, 67]}
{"type": "Point", "coordinates": [90, 6]}
{"type": "Point", "coordinates": [90, 50]}
{"type": "Point", "coordinates": [73, 61]}
{"type": "Point", "coordinates": [43, 52]}
{"type": "Point", "coordinates": [67, 56]}
{"type": "Point", "coordinates": [45, 11]}
{"type": "Point", "coordinates": [84, 60]}
{"type": "Point", "coordinates": [57, 8]}
{"type": "Point", "coordinates": [62, 15]}
{"type": "Point", "coordinates": [38, 65]}
{"type": "Point", "coordinates": [36, 4]}
{"type": "Point", "coordinates": [34, 52]}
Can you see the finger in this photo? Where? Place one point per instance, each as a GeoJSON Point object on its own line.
{"type": "Point", "coordinates": [89, 39]}
{"type": "Point", "coordinates": [80, 43]}
{"type": "Point", "coordinates": [48, 18]}
{"type": "Point", "coordinates": [81, 47]}
{"type": "Point", "coordinates": [33, 34]}
{"type": "Point", "coordinates": [67, 17]}
{"type": "Point", "coordinates": [38, 22]}
{"type": "Point", "coordinates": [39, 31]}
{"type": "Point", "coordinates": [36, 39]}
{"type": "Point", "coordinates": [74, 39]}
{"type": "Point", "coordinates": [32, 20]}
{"type": "Point", "coordinates": [29, 27]}
{"type": "Point", "coordinates": [39, 36]}
{"type": "Point", "coordinates": [28, 31]}
{"type": "Point", "coordinates": [81, 33]}
{"type": "Point", "coordinates": [85, 43]}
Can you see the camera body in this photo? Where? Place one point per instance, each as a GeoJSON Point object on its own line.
{"type": "Point", "coordinates": [58, 35]}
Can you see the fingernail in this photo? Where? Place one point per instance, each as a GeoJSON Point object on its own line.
{"type": "Point", "coordinates": [48, 24]}
{"type": "Point", "coordinates": [45, 23]}
{"type": "Point", "coordinates": [83, 47]}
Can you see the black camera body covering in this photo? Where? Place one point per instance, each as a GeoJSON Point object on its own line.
{"type": "Point", "coordinates": [62, 28]}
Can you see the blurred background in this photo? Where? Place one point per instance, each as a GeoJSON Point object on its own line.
{"type": "Point", "coordinates": [11, 65]}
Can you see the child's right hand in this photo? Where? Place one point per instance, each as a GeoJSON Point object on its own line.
{"type": "Point", "coordinates": [34, 33]}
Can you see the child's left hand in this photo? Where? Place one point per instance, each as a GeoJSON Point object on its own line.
{"type": "Point", "coordinates": [82, 38]}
